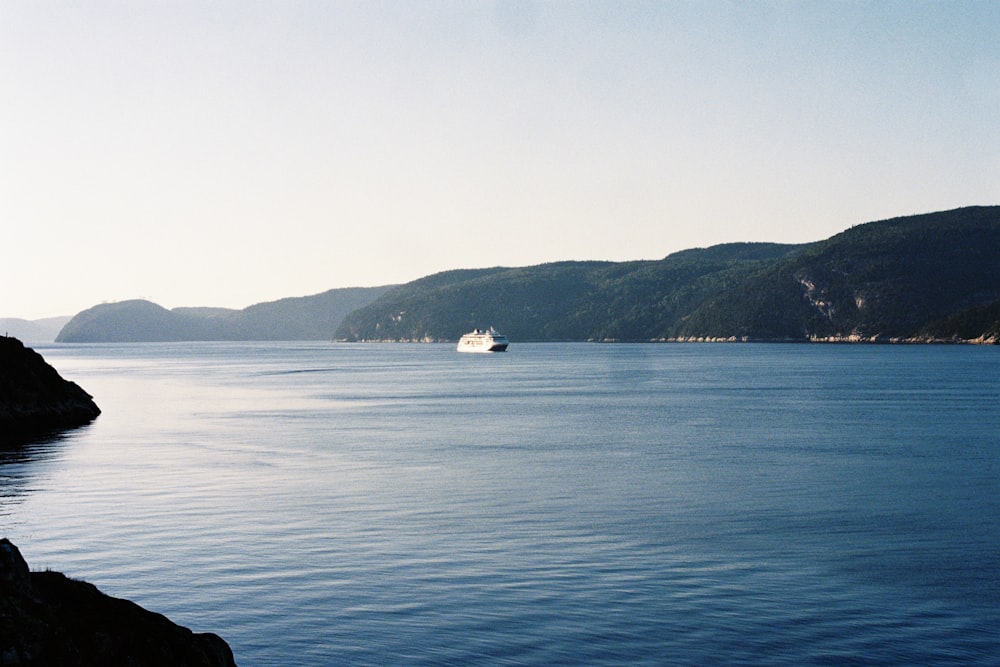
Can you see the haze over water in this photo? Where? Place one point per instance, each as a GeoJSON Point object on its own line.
{"type": "Point", "coordinates": [321, 504]}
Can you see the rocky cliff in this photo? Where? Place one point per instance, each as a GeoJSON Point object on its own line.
{"type": "Point", "coordinates": [48, 619]}
{"type": "Point", "coordinates": [33, 396]}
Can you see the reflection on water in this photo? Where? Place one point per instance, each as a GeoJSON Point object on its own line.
{"type": "Point", "coordinates": [14, 443]}
{"type": "Point", "coordinates": [24, 458]}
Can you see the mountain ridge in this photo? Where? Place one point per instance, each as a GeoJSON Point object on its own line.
{"type": "Point", "coordinates": [312, 317]}
{"type": "Point", "coordinates": [909, 278]}
{"type": "Point", "coordinates": [932, 277]}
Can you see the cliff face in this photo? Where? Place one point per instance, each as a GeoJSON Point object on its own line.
{"type": "Point", "coordinates": [33, 396]}
{"type": "Point", "coordinates": [49, 619]}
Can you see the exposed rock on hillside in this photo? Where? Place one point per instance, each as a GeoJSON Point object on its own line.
{"type": "Point", "coordinates": [923, 278]}
{"type": "Point", "coordinates": [33, 396]}
{"type": "Point", "coordinates": [49, 619]}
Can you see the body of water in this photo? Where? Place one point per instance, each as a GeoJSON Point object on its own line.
{"type": "Point", "coordinates": [328, 504]}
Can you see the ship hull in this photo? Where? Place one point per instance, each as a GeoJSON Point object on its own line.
{"type": "Point", "coordinates": [483, 341]}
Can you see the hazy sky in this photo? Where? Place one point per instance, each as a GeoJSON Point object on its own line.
{"type": "Point", "coordinates": [227, 153]}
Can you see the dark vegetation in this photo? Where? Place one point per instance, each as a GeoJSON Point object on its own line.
{"type": "Point", "coordinates": [48, 619]}
{"type": "Point", "coordinates": [933, 277]}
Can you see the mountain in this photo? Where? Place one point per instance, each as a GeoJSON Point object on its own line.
{"type": "Point", "coordinates": [895, 279]}
{"type": "Point", "coordinates": [33, 331]}
{"type": "Point", "coordinates": [558, 301]}
{"type": "Point", "coordinates": [298, 318]}
{"type": "Point", "coordinates": [925, 277]}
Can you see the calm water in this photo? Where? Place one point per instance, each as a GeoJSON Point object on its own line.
{"type": "Point", "coordinates": [323, 504]}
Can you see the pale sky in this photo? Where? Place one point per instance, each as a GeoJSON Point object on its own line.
{"type": "Point", "coordinates": [226, 153]}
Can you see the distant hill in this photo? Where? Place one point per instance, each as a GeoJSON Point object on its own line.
{"type": "Point", "coordinates": [33, 331]}
{"type": "Point", "coordinates": [924, 277]}
{"type": "Point", "coordinates": [931, 277]}
{"type": "Point", "coordinates": [298, 318]}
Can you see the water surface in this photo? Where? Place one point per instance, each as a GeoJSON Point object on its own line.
{"type": "Point", "coordinates": [321, 504]}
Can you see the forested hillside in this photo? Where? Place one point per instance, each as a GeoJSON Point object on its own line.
{"type": "Point", "coordinates": [898, 278]}
{"type": "Point", "coordinates": [298, 318]}
{"type": "Point", "coordinates": [933, 276]}
{"type": "Point", "coordinates": [560, 301]}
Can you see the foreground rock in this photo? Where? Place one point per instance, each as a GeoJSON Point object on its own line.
{"type": "Point", "coordinates": [33, 396]}
{"type": "Point", "coordinates": [49, 619]}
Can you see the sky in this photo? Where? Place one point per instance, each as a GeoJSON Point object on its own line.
{"type": "Point", "coordinates": [227, 153]}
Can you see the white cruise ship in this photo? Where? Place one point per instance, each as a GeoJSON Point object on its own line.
{"type": "Point", "coordinates": [490, 340]}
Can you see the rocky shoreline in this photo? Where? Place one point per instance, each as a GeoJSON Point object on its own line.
{"type": "Point", "coordinates": [46, 618]}
{"type": "Point", "coordinates": [34, 398]}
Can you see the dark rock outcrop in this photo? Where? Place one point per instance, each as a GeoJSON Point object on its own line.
{"type": "Point", "coordinates": [34, 397]}
{"type": "Point", "coordinates": [48, 619]}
